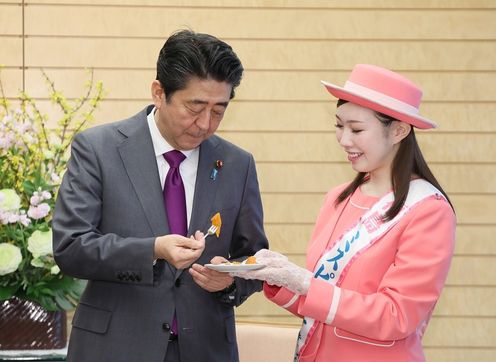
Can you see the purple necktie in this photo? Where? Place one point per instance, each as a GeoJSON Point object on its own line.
{"type": "Point", "coordinates": [175, 202]}
{"type": "Point", "coordinates": [174, 197]}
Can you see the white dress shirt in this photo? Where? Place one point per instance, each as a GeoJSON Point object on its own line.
{"type": "Point", "coordinates": [188, 168]}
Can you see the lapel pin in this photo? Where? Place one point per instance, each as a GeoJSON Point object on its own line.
{"type": "Point", "coordinates": [217, 166]}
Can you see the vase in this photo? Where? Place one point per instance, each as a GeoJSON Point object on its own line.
{"type": "Point", "coordinates": [25, 325]}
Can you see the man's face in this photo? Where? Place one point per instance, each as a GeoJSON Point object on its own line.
{"type": "Point", "coordinates": [193, 114]}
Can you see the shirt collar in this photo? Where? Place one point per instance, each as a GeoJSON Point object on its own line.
{"type": "Point", "coordinates": [160, 145]}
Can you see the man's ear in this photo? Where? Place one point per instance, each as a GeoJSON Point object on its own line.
{"type": "Point", "coordinates": [158, 94]}
{"type": "Point", "coordinates": [400, 131]}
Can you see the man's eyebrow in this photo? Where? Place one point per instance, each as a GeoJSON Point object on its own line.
{"type": "Point", "coordinates": [199, 101]}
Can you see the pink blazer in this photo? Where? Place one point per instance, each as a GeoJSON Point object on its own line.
{"type": "Point", "coordinates": [388, 295]}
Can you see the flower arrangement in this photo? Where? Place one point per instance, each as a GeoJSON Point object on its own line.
{"type": "Point", "coordinates": [33, 157]}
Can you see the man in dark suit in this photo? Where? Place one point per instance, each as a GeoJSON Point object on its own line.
{"type": "Point", "coordinates": [144, 300]}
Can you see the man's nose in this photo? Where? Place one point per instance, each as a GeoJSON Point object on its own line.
{"type": "Point", "coordinates": [203, 120]}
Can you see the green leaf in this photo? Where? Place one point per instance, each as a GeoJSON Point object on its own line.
{"type": "Point", "coordinates": [8, 292]}
{"type": "Point", "coordinates": [63, 302]}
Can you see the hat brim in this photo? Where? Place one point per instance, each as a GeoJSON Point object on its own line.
{"type": "Point", "coordinates": [350, 96]}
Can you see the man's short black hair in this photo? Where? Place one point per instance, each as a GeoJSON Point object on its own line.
{"type": "Point", "coordinates": [187, 54]}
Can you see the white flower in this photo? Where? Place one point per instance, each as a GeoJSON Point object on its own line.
{"type": "Point", "coordinates": [37, 263]}
{"type": "Point", "coordinates": [9, 201]}
{"type": "Point", "coordinates": [40, 243]}
{"type": "Point", "coordinates": [10, 258]}
{"type": "Point", "coordinates": [55, 269]}
{"type": "Point", "coordinates": [48, 154]}
{"type": "Point", "coordinates": [39, 212]}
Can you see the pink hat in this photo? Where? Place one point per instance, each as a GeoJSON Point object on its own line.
{"type": "Point", "coordinates": [383, 91]}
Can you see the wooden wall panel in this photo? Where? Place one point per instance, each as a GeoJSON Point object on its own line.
{"type": "Point", "coordinates": [455, 301]}
{"type": "Point", "coordinates": [459, 354]}
{"type": "Point", "coordinates": [276, 85]}
{"type": "Point", "coordinates": [11, 81]}
{"type": "Point", "coordinates": [319, 115]}
{"type": "Point", "coordinates": [471, 240]}
{"type": "Point", "coordinates": [285, 54]}
{"type": "Point", "coordinates": [338, 54]}
{"type": "Point", "coordinates": [300, 86]}
{"type": "Point", "coordinates": [10, 18]}
{"type": "Point", "coordinates": [313, 116]}
{"type": "Point", "coordinates": [304, 117]}
{"type": "Point", "coordinates": [232, 23]}
{"type": "Point", "coordinates": [459, 301]}
{"type": "Point", "coordinates": [461, 332]}
{"type": "Point", "coordinates": [114, 53]}
{"type": "Point", "coordinates": [11, 50]}
{"type": "Point", "coordinates": [293, 176]}
{"type": "Point", "coordinates": [406, 4]}
{"type": "Point", "coordinates": [476, 239]}
{"type": "Point", "coordinates": [287, 47]}
{"type": "Point", "coordinates": [133, 84]}
{"type": "Point", "coordinates": [322, 147]}
{"type": "Point", "coordinates": [471, 209]}
{"type": "Point", "coordinates": [473, 270]}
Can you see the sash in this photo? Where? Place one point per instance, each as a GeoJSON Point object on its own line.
{"type": "Point", "coordinates": [334, 264]}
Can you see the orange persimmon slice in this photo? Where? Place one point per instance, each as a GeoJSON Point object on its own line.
{"type": "Point", "coordinates": [217, 222]}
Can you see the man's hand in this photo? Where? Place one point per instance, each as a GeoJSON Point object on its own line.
{"type": "Point", "coordinates": [211, 280]}
{"type": "Point", "coordinates": [178, 250]}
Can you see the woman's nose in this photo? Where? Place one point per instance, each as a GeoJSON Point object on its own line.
{"type": "Point", "coordinates": [344, 139]}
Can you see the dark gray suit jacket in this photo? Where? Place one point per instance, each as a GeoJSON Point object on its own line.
{"type": "Point", "coordinates": [108, 212]}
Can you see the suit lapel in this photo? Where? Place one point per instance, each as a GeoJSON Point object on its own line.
{"type": "Point", "coordinates": [138, 157]}
{"type": "Point", "coordinates": [205, 188]}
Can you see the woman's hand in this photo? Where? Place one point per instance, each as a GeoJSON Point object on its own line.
{"type": "Point", "coordinates": [278, 271]}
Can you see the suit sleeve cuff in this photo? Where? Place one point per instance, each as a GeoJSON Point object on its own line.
{"type": "Point", "coordinates": [280, 296]}
{"type": "Point", "coordinates": [321, 302]}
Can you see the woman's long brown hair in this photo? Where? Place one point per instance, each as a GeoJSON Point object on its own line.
{"type": "Point", "coordinates": [408, 161]}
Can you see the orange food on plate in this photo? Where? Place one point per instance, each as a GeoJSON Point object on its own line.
{"type": "Point", "coordinates": [251, 260]}
{"type": "Point", "coordinates": [217, 222]}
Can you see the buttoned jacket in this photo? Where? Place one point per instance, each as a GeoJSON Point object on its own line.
{"type": "Point", "coordinates": [383, 304]}
{"type": "Point", "coordinates": [108, 213]}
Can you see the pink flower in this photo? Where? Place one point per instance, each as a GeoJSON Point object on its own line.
{"type": "Point", "coordinates": [55, 178]}
{"type": "Point", "coordinates": [35, 200]}
{"type": "Point", "coordinates": [4, 217]}
{"type": "Point", "coordinates": [39, 196]}
{"type": "Point", "coordinates": [6, 141]}
{"type": "Point", "coordinates": [13, 218]}
{"type": "Point", "coordinates": [38, 212]}
{"type": "Point", "coordinates": [24, 220]}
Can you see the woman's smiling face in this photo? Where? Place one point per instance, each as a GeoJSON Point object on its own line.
{"type": "Point", "coordinates": [367, 141]}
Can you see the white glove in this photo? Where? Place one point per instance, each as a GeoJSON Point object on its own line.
{"type": "Point", "coordinates": [279, 271]}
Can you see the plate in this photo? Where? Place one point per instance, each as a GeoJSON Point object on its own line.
{"type": "Point", "coordinates": [226, 268]}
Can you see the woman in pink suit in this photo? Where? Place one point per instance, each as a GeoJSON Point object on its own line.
{"type": "Point", "coordinates": [382, 244]}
